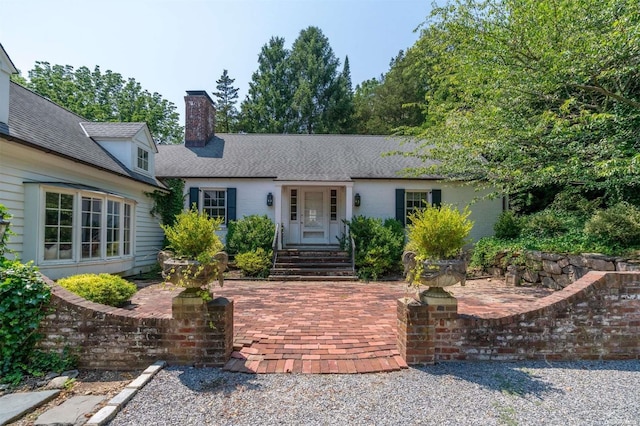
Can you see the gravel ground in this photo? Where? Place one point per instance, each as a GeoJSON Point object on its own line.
{"type": "Point", "coordinates": [525, 393]}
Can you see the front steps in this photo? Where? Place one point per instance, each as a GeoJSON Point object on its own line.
{"type": "Point", "coordinates": [313, 264]}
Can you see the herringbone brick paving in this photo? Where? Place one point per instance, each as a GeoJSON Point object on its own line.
{"type": "Point", "coordinates": [320, 327]}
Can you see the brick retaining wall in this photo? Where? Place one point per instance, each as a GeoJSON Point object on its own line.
{"type": "Point", "coordinates": [596, 317]}
{"type": "Point", "coordinates": [103, 337]}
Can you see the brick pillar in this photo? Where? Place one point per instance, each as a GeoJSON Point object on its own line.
{"type": "Point", "coordinates": [202, 332]}
{"type": "Point", "coordinates": [414, 337]}
{"type": "Point", "coordinates": [419, 327]}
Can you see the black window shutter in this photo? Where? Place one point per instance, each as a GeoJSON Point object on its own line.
{"type": "Point", "coordinates": [436, 197]}
{"type": "Point", "coordinates": [231, 204]}
{"type": "Point", "coordinates": [194, 195]}
{"type": "Point", "coordinates": [400, 215]}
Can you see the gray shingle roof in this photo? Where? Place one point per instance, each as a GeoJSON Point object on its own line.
{"type": "Point", "coordinates": [42, 124]}
{"type": "Point", "coordinates": [112, 130]}
{"type": "Point", "coordinates": [288, 157]}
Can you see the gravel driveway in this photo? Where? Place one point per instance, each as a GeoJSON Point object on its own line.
{"type": "Point", "coordinates": [526, 393]}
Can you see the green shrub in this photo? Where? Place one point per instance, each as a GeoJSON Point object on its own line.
{"type": "Point", "coordinates": [255, 263]}
{"type": "Point", "coordinates": [23, 299]}
{"type": "Point", "coordinates": [378, 243]}
{"type": "Point", "coordinates": [193, 235]}
{"type": "Point", "coordinates": [438, 232]}
{"type": "Point", "coordinates": [618, 225]}
{"type": "Point", "coordinates": [546, 223]}
{"type": "Point", "coordinates": [488, 250]}
{"type": "Point", "coordinates": [508, 225]}
{"type": "Point", "coordinates": [107, 289]}
{"type": "Point", "coordinates": [250, 233]}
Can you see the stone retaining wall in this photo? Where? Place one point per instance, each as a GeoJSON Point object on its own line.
{"type": "Point", "coordinates": [557, 271]}
{"type": "Point", "coordinates": [596, 317]}
{"type": "Point", "coordinates": [198, 333]}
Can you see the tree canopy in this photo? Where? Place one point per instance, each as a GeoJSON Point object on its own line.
{"type": "Point", "coordinates": [534, 96]}
{"type": "Point", "coordinates": [298, 90]}
{"type": "Point", "coordinates": [105, 96]}
{"type": "Point", "coordinates": [227, 97]}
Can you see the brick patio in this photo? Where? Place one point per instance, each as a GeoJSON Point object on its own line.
{"type": "Point", "coordinates": [309, 327]}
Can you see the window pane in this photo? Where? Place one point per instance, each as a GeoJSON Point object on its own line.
{"type": "Point", "coordinates": [58, 229]}
{"type": "Point", "coordinates": [66, 201]}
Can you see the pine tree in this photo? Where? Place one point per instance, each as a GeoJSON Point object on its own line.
{"type": "Point", "coordinates": [227, 96]}
{"type": "Point", "coordinates": [267, 107]}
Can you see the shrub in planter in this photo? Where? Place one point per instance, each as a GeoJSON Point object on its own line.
{"type": "Point", "coordinates": [436, 236]}
{"type": "Point", "coordinates": [255, 263]}
{"type": "Point", "coordinates": [107, 289]}
{"type": "Point", "coordinates": [438, 232]}
{"type": "Point", "coordinates": [618, 225]}
{"type": "Point", "coordinates": [250, 233]}
{"type": "Point", "coordinates": [195, 258]}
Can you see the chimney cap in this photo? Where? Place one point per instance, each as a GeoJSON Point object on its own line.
{"type": "Point", "coordinates": [199, 93]}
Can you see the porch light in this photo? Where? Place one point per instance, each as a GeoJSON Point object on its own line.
{"type": "Point", "coordinates": [357, 200]}
{"type": "Point", "coordinates": [269, 199]}
{"type": "Point", "coordinates": [4, 224]}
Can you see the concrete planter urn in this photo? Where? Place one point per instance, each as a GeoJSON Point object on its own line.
{"type": "Point", "coordinates": [434, 274]}
{"type": "Point", "coordinates": [190, 273]}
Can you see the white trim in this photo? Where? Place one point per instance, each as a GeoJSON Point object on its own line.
{"type": "Point", "coordinates": [201, 192]}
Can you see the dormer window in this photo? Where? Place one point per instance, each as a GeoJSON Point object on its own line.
{"type": "Point", "coordinates": [143, 159]}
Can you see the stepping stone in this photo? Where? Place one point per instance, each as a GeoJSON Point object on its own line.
{"type": "Point", "coordinates": [15, 405]}
{"type": "Point", "coordinates": [71, 412]}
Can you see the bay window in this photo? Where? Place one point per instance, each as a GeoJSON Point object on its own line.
{"type": "Point", "coordinates": [86, 226]}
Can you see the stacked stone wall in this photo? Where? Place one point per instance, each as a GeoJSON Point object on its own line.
{"type": "Point", "coordinates": [556, 271]}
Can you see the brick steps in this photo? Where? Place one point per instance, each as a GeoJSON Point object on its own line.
{"type": "Point", "coordinates": [313, 264]}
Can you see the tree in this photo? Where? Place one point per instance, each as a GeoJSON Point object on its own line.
{"type": "Point", "coordinates": [396, 101]}
{"type": "Point", "coordinates": [317, 86]}
{"type": "Point", "coordinates": [534, 96]}
{"type": "Point", "coordinates": [227, 96]}
{"type": "Point", "coordinates": [107, 96]}
{"type": "Point", "coordinates": [299, 91]}
{"type": "Point", "coordinates": [267, 107]}
{"type": "Point", "coordinates": [341, 107]}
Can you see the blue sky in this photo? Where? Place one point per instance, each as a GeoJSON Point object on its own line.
{"type": "Point", "coordinates": [171, 46]}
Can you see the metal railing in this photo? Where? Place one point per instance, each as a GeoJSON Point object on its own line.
{"type": "Point", "coordinates": [353, 253]}
{"type": "Point", "coordinates": [274, 245]}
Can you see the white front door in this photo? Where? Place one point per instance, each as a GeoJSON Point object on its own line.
{"type": "Point", "coordinates": [314, 219]}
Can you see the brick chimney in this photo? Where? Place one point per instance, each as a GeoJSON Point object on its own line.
{"type": "Point", "coordinates": [200, 121]}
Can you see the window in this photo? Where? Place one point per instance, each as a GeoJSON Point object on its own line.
{"type": "Point", "coordinates": [143, 159]}
{"type": "Point", "coordinates": [415, 200]}
{"type": "Point", "coordinates": [58, 226]}
{"type": "Point", "coordinates": [103, 232]}
{"type": "Point", "coordinates": [214, 204]}
{"type": "Point", "coordinates": [126, 240]}
{"type": "Point", "coordinates": [334, 204]}
{"type": "Point", "coordinates": [113, 228]}
{"type": "Point", "coordinates": [91, 227]}
{"type": "Point", "coordinates": [294, 204]}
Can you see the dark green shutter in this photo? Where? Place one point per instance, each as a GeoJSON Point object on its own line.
{"type": "Point", "coordinates": [436, 197]}
{"type": "Point", "coordinates": [400, 215]}
{"type": "Point", "coordinates": [194, 195]}
{"type": "Point", "coordinates": [231, 204]}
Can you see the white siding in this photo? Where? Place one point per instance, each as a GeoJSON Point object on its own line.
{"type": "Point", "coordinates": [251, 195]}
{"type": "Point", "coordinates": [378, 200]}
{"type": "Point", "coordinates": [19, 165]}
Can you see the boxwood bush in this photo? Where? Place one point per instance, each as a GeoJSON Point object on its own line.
{"type": "Point", "coordinates": [107, 289]}
{"type": "Point", "coordinates": [379, 245]}
{"type": "Point", "coordinates": [255, 263]}
{"type": "Point", "coordinates": [250, 233]}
